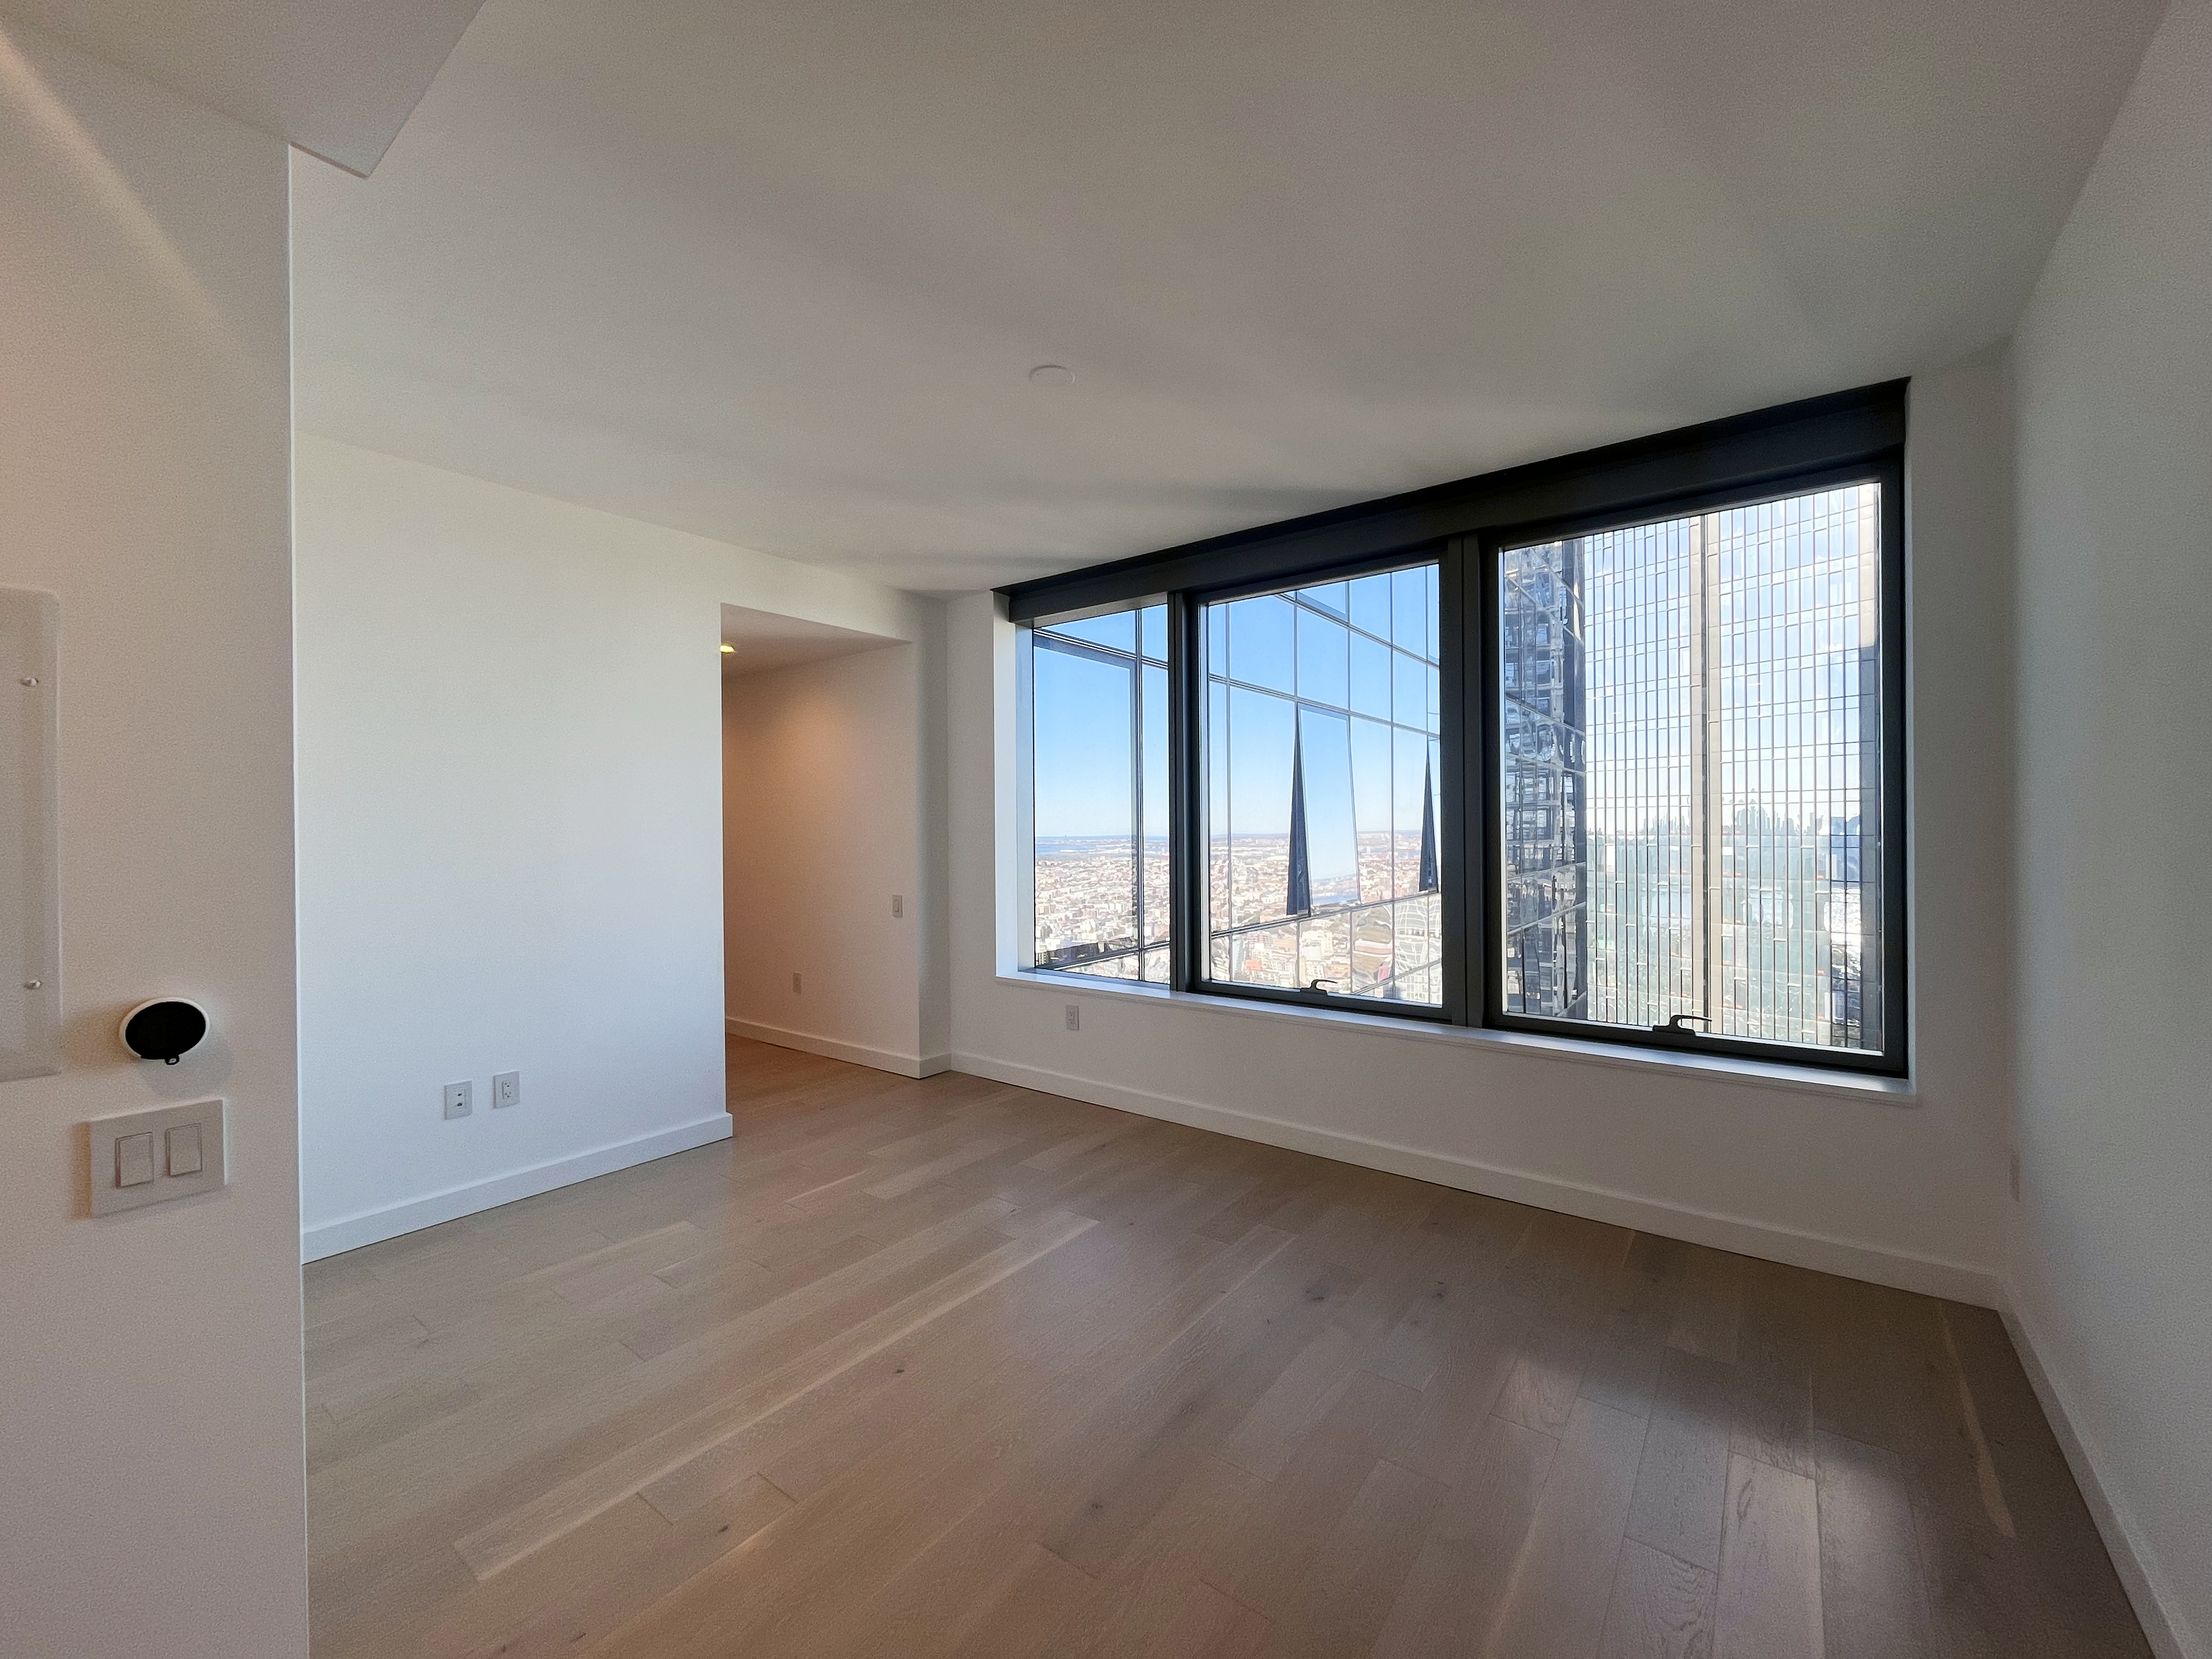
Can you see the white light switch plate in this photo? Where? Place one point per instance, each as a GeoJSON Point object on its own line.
{"type": "Point", "coordinates": [209, 1117]}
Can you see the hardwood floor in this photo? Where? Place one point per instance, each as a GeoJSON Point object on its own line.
{"type": "Point", "coordinates": [948, 1368]}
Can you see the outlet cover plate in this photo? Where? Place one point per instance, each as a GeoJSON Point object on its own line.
{"type": "Point", "coordinates": [506, 1090]}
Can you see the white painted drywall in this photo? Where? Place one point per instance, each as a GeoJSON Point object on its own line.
{"type": "Point", "coordinates": [334, 77]}
{"type": "Point", "coordinates": [822, 801]}
{"type": "Point", "coordinates": [510, 833]}
{"type": "Point", "coordinates": [777, 273]}
{"type": "Point", "coordinates": [152, 1497]}
{"type": "Point", "coordinates": [1908, 1192]}
{"type": "Point", "coordinates": [2112, 1259]}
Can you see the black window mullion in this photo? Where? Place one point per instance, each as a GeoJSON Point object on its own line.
{"type": "Point", "coordinates": [1136, 792]}
{"type": "Point", "coordinates": [1484, 838]}
{"type": "Point", "coordinates": [1461, 788]}
{"type": "Point", "coordinates": [1896, 1031]}
{"type": "Point", "coordinates": [1186, 797]}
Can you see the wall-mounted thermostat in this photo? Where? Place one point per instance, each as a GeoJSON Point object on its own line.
{"type": "Point", "coordinates": [165, 1029]}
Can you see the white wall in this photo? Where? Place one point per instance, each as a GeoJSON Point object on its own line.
{"type": "Point", "coordinates": [2112, 1261]}
{"type": "Point", "coordinates": [822, 793]}
{"type": "Point", "coordinates": [152, 1494]}
{"type": "Point", "coordinates": [510, 833]}
{"type": "Point", "coordinates": [1907, 1192]}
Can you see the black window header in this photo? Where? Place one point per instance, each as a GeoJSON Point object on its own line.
{"type": "Point", "coordinates": [1843, 429]}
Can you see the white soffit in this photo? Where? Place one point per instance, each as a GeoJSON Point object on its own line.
{"type": "Point", "coordinates": [762, 640]}
{"type": "Point", "coordinates": [336, 77]}
{"type": "Point", "coordinates": [777, 273]}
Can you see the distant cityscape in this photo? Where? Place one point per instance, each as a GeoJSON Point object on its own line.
{"type": "Point", "coordinates": [1372, 934]}
{"type": "Point", "coordinates": [1089, 898]}
{"type": "Point", "coordinates": [1790, 939]}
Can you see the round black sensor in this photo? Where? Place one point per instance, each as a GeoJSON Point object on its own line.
{"type": "Point", "coordinates": [165, 1029]}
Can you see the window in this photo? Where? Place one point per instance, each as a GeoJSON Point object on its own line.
{"type": "Point", "coordinates": [1323, 705]}
{"type": "Point", "coordinates": [1098, 702]}
{"type": "Point", "coordinates": [1608, 747]}
{"type": "Point", "coordinates": [1690, 773]}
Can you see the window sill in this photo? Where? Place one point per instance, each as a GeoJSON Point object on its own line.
{"type": "Point", "coordinates": [1726, 1069]}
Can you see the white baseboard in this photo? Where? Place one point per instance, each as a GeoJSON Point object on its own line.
{"type": "Point", "coordinates": [883, 1059]}
{"type": "Point", "coordinates": [1899, 1269]}
{"type": "Point", "coordinates": [371, 1227]}
{"type": "Point", "coordinates": [2132, 1558]}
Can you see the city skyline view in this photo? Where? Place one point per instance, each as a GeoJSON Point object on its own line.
{"type": "Point", "coordinates": [1691, 772]}
{"type": "Point", "coordinates": [1320, 737]}
{"type": "Point", "coordinates": [1099, 795]}
{"type": "Point", "coordinates": [1689, 785]}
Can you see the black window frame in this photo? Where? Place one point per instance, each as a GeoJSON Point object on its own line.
{"type": "Point", "coordinates": [1188, 873]}
{"type": "Point", "coordinates": [1846, 437]}
{"type": "Point", "coordinates": [1484, 553]}
{"type": "Point", "coordinates": [1136, 662]}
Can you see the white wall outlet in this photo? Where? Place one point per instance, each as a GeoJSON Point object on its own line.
{"type": "Point", "coordinates": [898, 904]}
{"type": "Point", "coordinates": [1074, 1015]}
{"type": "Point", "coordinates": [506, 1090]}
{"type": "Point", "coordinates": [458, 1099]}
{"type": "Point", "coordinates": [794, 985]}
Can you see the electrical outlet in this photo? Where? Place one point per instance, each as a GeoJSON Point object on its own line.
{"type": "Point", "coordinates": [794, 985]}
{"type": "Point", "coordinates": [458, 1097]}
{"type": "Point", "coordinates": [2015, 1177]}
{"type": "Point", "coordinates": [506, 1090]}
{"type": "Point", "coordinates": [1074, 1015]}
{"type": "Point", "coordinates": [898, 904]}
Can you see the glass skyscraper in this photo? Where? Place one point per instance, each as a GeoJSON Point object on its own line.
{"type": "Point", "coordinates": [1691, 772]}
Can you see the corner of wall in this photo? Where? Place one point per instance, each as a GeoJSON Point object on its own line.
{"type": "Point", "coordinates": [936, 890]}
{"type": "Point", "coordinates": [2111, 364]}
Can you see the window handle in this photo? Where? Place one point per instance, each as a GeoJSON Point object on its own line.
{"type": "Point", "coordinates": [1680, 1025]}
{"type": "Point", "coordinates": [1315, 986]}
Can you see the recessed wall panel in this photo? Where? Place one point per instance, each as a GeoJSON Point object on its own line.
{"type": "Point", "coordinates": [30, 918]}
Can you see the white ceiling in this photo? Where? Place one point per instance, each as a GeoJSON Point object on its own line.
{"type": "Point", "coordinates": [336, 77]}
{"type": "Point", "coordinates": [776, 273]}
{"type": "Point", "coordinates": [763, 640]}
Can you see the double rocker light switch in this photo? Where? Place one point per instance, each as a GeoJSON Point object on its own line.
{"type": "Point", "coordinates": [183, 1144]}
{"type": "Point", "coordinates": [149, 1158]}
{"type": "Point", "coordinates": [134, 1155]}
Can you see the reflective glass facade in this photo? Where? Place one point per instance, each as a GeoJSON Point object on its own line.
{"type": "Point", "coordinates": [1690, 773]}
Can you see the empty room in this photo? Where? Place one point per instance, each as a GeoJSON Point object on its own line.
{"type": "Point", "coordinates": [1106, 831]}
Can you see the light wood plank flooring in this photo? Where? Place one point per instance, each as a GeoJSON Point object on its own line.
{"type": "Point", "coordinates": [948, 1368]}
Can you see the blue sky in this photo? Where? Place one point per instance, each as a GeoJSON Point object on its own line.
{"type": "Point", "coordinates": [1081, 709]}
